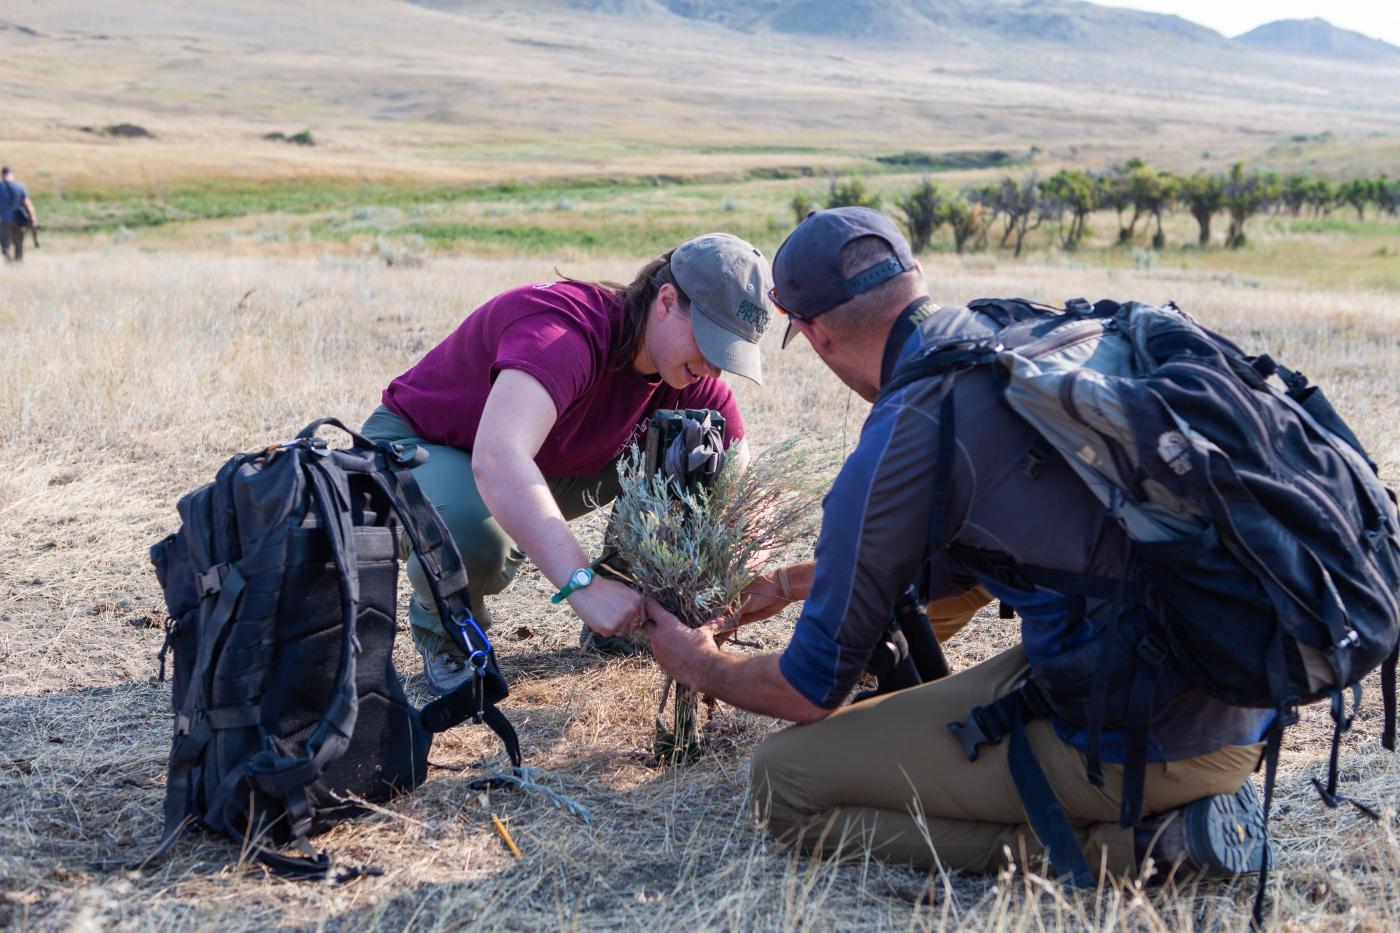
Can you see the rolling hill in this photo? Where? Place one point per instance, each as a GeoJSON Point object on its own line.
{"type": "Point", "coordinates": [1319, 38]}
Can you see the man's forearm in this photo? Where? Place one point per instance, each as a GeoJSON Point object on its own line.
{"type": "Point", "coordinates": [754, 683]}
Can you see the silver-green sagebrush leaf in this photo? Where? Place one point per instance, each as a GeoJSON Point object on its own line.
{"type": "Point", "coordinates": [694, 551]}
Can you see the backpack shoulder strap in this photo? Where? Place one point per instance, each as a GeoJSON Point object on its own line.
{"type": "Point", "coordinates": [939, 360]}
{"type": "Point", "coordinates": [447, 581]}
{"type": "Point", "coordinates": [284, 776]}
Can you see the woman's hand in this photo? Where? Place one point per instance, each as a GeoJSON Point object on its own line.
{"type": "Point", "coordinates": [609, 607]}
{"type": "Point", "coordinates": [760, 602]}
{"type": "Point", "coordinates": [766, 596]}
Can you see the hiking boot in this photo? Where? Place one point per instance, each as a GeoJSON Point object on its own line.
{"type": "Point", "coordinates": [613, 646]}
{"type": "Point", "coordinates": [444, 667]}
{"type": "Point", "coordinates": [1214, 837]}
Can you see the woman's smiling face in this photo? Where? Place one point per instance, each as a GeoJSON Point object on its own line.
{"type": "Point", "coordinates": [668, 346]}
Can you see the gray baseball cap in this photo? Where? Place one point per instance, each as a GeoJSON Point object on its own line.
{"type": "Point", "coordinates": [727, 281]}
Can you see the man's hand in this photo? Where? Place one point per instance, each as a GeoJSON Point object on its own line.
{"type": "Point", "coordinates": [752, 682]}
{"type": "Point", "coordinates": [682, 652]}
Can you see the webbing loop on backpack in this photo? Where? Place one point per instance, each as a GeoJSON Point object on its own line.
{"type": "Point", "coordinates": [1005, 718]}
{"type": "Point", "coordinates": [1043, 810]}
{"type": "Point", "coordinates": [1148, 657]}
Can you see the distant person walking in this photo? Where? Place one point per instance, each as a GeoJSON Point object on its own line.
{"type": "Point", "coordinates": [16, 215]}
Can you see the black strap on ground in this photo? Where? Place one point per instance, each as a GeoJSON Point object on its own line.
{"type": "Point", "coordinates": [1275, 669]}
{"type": "Point", "coordinates": [311, 868]}
{"type": "Point", "coordinates": [1341, 722]}
{"type": "Point", "coordinates": [500, 725]}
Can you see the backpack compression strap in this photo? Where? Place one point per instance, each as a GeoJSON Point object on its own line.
{"type": "Point", "coordinates": [447, 580]}
{"type": "Point", "coordinates": [1007, 718]}
{"type": "Point", "coordinates": [287, 777]}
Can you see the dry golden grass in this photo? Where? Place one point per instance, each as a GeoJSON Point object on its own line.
{"type": "Point", "coordinates": [130, 376]}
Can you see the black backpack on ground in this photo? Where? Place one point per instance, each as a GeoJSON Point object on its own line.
{"type": "Point", "coordinates": [1263, 562]}
{"type": "Point", "coordinates": [282, 590]}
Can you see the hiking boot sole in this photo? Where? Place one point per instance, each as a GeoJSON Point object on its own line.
{"type": "Point", "coordinates": [1225, 834]}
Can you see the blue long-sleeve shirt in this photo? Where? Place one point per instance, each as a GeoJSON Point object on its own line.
{"type": "Point", "coordinates": [874, 542]}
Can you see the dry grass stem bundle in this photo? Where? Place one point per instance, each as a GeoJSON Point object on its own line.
{"type": "Point", "coordinates": [694, 551]}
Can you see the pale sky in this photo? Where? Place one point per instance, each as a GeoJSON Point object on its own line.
{"type": "Point", "coordinates": [1379, 19]}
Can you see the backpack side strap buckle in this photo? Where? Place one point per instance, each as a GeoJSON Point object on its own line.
{"type": "Point", "coordinates": [988, 725]}
{"type": "Point", "coordinates": [211, 581]}
{"type": "Point", "coordinates": [970, 735]}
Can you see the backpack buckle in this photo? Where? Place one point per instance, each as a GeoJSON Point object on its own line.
{"type": "Point", "coordinates": [211, 581]}
{"type": "Point", "coordinates": [970, 734]}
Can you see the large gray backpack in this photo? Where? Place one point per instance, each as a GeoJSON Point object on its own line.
{"type": "Point", "coordinates": [1264, 559]}
{"type": "Point", "coordinates": [282, 590]}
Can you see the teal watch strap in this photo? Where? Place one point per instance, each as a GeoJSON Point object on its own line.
{"type": "Point", "coordinates": [577, 581]}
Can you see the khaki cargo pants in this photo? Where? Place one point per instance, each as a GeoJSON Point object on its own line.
{"type": "Point", "coordinates": [887, 775]}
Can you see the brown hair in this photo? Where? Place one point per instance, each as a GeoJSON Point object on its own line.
{"type": "Point", "coordinates": [636, 302]}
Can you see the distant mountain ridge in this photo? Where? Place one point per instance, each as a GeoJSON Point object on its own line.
{"type": "Point", "coordinates": [1073, 25]}
{"type": "Point", "coordinates": [1317, 37]}
{"type": "Point", "coordinates": [1019, 21]}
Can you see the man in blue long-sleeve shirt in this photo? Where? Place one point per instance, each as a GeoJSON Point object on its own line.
{"type": "Point", "coordinates": [888, 773]}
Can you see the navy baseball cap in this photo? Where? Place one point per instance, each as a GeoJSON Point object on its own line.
{"type": "Point", "coordinates": [807, 273]}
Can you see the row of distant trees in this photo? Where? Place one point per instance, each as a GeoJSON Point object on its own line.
{"type": "Point", "coordinates": [1138, 194]}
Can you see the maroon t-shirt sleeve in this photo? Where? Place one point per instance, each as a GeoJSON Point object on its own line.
{"type": "Point", "coordinates": [716, 394]}
{"type": "Point", "coordinates": [546, 344]}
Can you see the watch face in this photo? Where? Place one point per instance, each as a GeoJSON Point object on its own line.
{"type": "Point", "coordinates": [582, 577]}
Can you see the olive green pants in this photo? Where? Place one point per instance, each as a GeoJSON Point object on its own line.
{"type": "Point", "coordinates": [490, 556]}
{"type": "Point", "coordinates": [887, 775]}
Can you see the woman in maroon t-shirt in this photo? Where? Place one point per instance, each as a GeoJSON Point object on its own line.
{"type": "Point", "coordinates": [525, 408]}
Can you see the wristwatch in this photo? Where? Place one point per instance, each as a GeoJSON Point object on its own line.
{"type": "Point", "coordinates": [577, 581]}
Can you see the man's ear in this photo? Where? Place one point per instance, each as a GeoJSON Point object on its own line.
{"type": "Point", "coordinates": [817, 335]}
